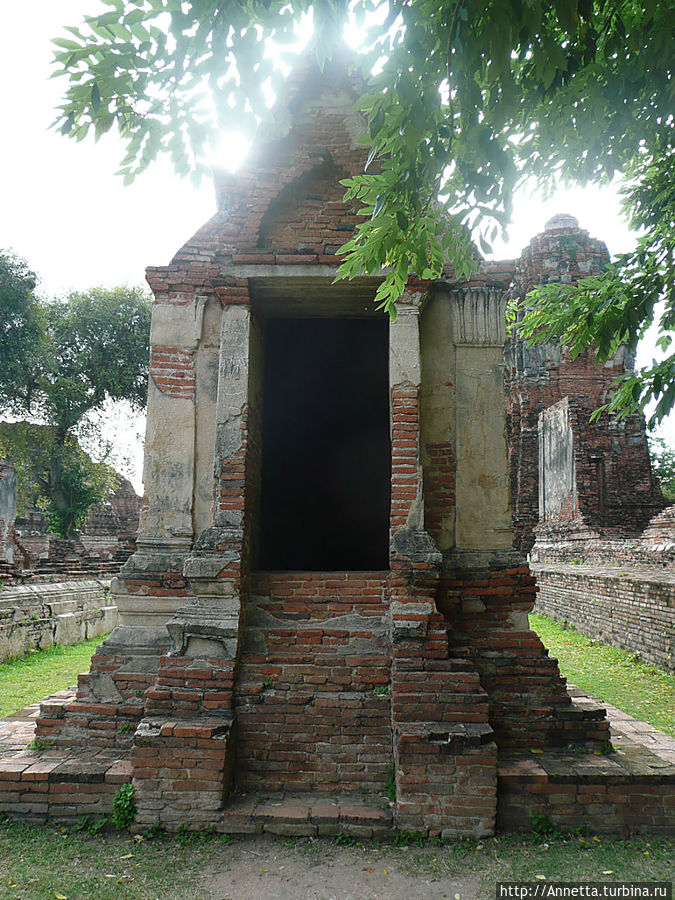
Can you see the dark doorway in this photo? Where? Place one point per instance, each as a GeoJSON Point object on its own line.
{"type": "Point", "coordinates": [326, 461]}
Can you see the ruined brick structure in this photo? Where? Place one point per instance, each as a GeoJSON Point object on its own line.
{"type": "Point", "coordinates": [582, 491]}
{"type": "Point", "coordinates": [29, 550]}
{"type": "Point", "coordinates": [614, 491]}
{"type": "Point", "coordinates": [320, 652]}
{"type": "Point", "coordinates": [324, 595]}
{"type": "Point", "coordinates": [618, 590]}
{"type": "Point", "coordinates": [116, 515]}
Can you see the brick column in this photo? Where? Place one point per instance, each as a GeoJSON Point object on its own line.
{"type": "Point", "coordinates": [444, 758]}
{"type": "Point", "coordinates": [189, 710]}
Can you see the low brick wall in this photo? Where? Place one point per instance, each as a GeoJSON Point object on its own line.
{"type": "Point", "coordinates": [36, 616]}
{"type": "Point", "coordinates": [623, 606]}
{"type": "Point", "coordinates": [588, 793]}
{"type": "Point", "coordinates": [40, 787]}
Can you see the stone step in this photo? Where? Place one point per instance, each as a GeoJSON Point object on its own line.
{"type": "Point", "coordinates": [367, 817]}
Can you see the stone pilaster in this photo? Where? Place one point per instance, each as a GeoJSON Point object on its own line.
{"type": "Point", "coordinates": [210, 624]}
{"type": "Point", "coordinates": [190, 703]}
{"type": "Point", "coordinates": [482, 507]}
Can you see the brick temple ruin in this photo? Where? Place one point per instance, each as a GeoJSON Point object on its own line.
{"type": "Point", "coordinates": [325, 599]}
{"type": "Point", "coordinates": [608, 483]}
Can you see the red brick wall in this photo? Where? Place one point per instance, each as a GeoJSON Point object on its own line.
{"type": "Point", "coordinates": [439, 485]}
{"type": "Point", "coordinates": [312, 700]}
{"type": "Point", "coordinates": [186, 688]}
{"type": "Point", "coordinates": [309, 221]}
{"type": "Point", "coordinates": [528, 702]}
{"type": "Point", "coordinates": [173, 371]}
{"type": "Point", "coordinates": [620, 804]}
{"type": "Point", "coordinates": [181, 771]}
{"type": "Point", "coordinates": [405, 469]}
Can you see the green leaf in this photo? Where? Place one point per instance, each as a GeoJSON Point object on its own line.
{"type": "Point", "coordinates": [66, 44]}
{"type": "Point", "coordinates": [379, 205]}
{"type": "Point", "coordinates": [406, 90]}
{"type": "Point", "coordinates": [377, 122]}
{"type": "Point", "coordinates": [95, 98]}
{"type": "Point", "coordinates": [68, 124]}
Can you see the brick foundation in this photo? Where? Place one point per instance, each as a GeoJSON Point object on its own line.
{"type": "Point", "coordinates": [181, 771]}
{"type": "Point", "coordinates": [597, 796]}
{"type": "Point", "coordinates": [60, 787]}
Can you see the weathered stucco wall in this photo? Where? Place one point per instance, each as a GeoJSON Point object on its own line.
{"type": "Point", "coordinates": [557, 471]}
{"type": "Point", "coordinates": [37, 616]}
{"type": "Point", "coordinates": [7, 510]}
{"type": "Point", "coordinates": [483, 513]}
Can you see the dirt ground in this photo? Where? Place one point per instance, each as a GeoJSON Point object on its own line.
{"type": "Point", "coordinates": [269, 869]}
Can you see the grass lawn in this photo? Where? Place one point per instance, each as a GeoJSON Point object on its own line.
{"type": "Point", "coordinates": [610, 674]}
{"type": "Point", "coordinates": [50, 862]}
{"type": "Point", "coordinates": [38, 674]}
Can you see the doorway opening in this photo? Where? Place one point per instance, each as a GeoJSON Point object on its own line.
{"type": "Point", "coordinates": [326, 449]}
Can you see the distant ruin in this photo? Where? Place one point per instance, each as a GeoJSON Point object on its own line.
{"type": "Point", "coordinates": [28, 549]}
{"type": "Point", "coordinates": [614, 491]}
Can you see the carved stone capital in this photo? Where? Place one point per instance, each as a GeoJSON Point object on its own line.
{"type": "Point", "coordinates": [479, 316]}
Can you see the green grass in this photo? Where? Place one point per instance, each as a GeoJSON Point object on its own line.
{"type": "Point", "coordinates": [615, 676]}
{"type": "Point", "coordinates": [510, 857]}
{"type": "Point", "coordinates": [48, 862]}
{"type": "Point", "coordinates": [38, 674]}
{"type": "Point", "coordinates": [45, 862]}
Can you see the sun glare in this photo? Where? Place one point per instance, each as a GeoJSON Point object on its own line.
{"type": "Point", "coordinates": [230, 151]}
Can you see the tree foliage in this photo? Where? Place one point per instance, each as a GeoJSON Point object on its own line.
{"type": "Point", "coordinates": [469, 99]}
{"type": "Point", "coordinates": [99, 348]}
{"type": "Point", "coordinates": [73, 356]}
{"type": "Point", "coordinates": [61, 480]}
{"type": "Point", "coordinates": [21, 329]}
{"type": "Point", "coordinates": [663, 465]}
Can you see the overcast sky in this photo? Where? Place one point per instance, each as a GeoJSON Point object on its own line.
{"type": "Point", "coordinates": [63, 208]}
